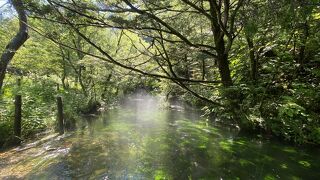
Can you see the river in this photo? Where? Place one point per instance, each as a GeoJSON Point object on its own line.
{"type": "Point", "coordinates": [141, 140]}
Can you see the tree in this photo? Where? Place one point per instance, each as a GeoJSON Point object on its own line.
{"type": "Point", "coordinates": [16, 42]}
{"type": "Point", "coordinates": [149, 20]}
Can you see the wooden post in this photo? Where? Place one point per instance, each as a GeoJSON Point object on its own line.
{"type": "Point", "coordinates": [17, 117]}
{"type": "Point", "coordinates": [60, 115]}
{"type": "Point", "coordinates": [19, 82]}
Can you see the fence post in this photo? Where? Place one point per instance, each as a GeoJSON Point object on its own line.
{"type": "Point", "coordinates": [19, 82]}
{"type": "Point", "coordinates": [60, 115]}
{"type": "Point", "coordinates": [17, 114]}
{"type": "Point", "coordinates": [17, 117]}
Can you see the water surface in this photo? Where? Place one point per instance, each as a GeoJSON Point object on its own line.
{"type": "Point", "coordinates": [139, 140]}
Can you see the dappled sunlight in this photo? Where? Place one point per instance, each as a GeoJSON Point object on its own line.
{"type": "Point", "coordinates": [20, 161]}
{"type": "Point", "coordinates": [139, 140]}
{"type": "Point", "coordinates": [159, 89]}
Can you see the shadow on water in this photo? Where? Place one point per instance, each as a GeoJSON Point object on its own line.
{"type": "Point", "coordinates": [141, 141]}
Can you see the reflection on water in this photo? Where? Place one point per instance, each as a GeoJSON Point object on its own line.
{"type": "Point", "coordinates": [141, 141]}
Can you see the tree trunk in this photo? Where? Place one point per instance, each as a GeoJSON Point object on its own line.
{"type": "Point", "coordinates": [224, 70]}
{"type": "Point", "coordinates": [218, 23]}
{"type": "Point", "coordinates": [63, 81]}
{"type": "Point", "coordinates": [60, 115]}
{"type": "Point", "coordinates": [64, 74]}
{"type": "Point", "coordinates": [222, 58]}
{"type": "Point", "coordinates": [203, 69]}
{"type": "Point", "coordinates": [16, 42]}
{"type": "Point", "coordinates": [253, 60]}
{"type": "Point", "coordinates": [83, 87]}
{"type": "Point", "coordinates": [301, 58]}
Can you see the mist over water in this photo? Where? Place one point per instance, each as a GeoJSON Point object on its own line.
{"type": "Point", "coordinates": [142, 105]}
{"type": "Point", "coordinates": [142, 140]}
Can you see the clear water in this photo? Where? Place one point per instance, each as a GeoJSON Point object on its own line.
{"type": "Point", "coordinates": [141, 141]}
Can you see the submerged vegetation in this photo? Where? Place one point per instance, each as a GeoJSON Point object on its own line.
{"type": "Point", "coordinates": [254, 64]}
{"type": "Point", "coordinates": [135, 142]}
